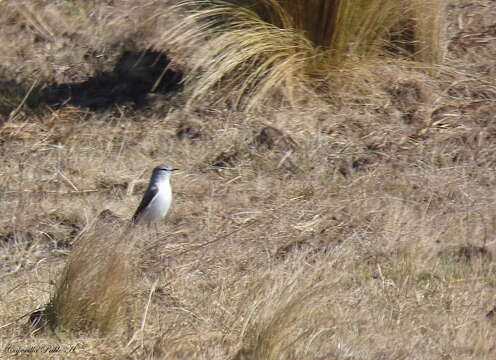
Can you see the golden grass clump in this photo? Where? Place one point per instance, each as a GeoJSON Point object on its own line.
{"type": "Point", "coordinates": [430, 30]}
{"type": "Point", "coordinates": [93, 291]}
{"type": "Point", "coordinates": [256, 55]}
{"type": "Point", "coordinates": [290, 47]}
{"type": "Point", "coordinates": [289, 310]}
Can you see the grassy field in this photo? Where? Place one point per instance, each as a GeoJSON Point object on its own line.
{"type": "Point", "coordinates": [362, 227]}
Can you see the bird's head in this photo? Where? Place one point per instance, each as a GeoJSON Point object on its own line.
{"type": "Point", "coordinates": [163, 170]}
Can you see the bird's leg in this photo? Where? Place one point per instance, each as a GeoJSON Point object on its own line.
{"type": "Point", "coordinates": [149, 230]}
{"type": "Point", "coordinates": [156, 230]}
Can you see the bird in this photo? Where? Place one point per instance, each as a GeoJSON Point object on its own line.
{"type": "Point", "coordinates": [157, 198]}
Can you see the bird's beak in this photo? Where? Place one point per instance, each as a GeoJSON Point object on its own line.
{"type": "Point", "coordinates": [174, 169]}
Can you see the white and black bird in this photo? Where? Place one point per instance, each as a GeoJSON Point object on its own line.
{"type": "Point", "coordinates": [157, 198]}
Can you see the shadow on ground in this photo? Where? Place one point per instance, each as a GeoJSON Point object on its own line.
{"type": "Point", "coordinates": [14, 96]}
{"type": "Point", "coordinates": [135, 75]}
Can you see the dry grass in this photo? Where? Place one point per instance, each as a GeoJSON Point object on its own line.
{"type": "Point", "coordinates": [430, 30]}
{"type": "Point", "coordinates": [358, 229]}
{"type": "Point", "coordinates": [94, 290]}
{"type": "Point", "coordinates": [255, 50]}
{"type": "Point", "coordinates": [257, 57]}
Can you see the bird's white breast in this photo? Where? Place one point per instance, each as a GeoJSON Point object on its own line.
{"type": "Point", "coordinates": [160, 204]}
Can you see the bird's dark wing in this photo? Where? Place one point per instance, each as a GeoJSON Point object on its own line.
{"type": "Point", "coordinates": [150, 193]}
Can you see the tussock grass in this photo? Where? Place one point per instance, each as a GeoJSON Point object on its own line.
{"type": "Point", "coordinates": [95, 286]}
{"type": "Point", "coordinates": [278, 323]}
{"type": "Point", "coordinates": [255, 49]}
{"type": "Point", "coordinates": [430, 30]}
{"type": "Point", "coordinates": [257, 56]}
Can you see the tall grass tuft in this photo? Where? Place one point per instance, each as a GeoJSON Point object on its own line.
{"type": "Point", "coordinates": [284, 318]}
{"type": "Point", "coordinates": [430, 30]}
{"type": "Point", "coordinates": [93, 290]}
{"type": "Point", "coordinates": [225, 40]}
{"type": "Point", "coordinates": [288, 46]}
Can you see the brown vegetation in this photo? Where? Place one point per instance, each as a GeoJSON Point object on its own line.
{"type": "Point", "coordinates": [360, 227]}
